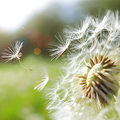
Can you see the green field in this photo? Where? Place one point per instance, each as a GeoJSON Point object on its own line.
{"type": "Point", "coordinates": [18, 100]}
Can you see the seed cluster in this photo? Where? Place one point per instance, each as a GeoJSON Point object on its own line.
{"type": "Point", "coordinates": [100, 82]}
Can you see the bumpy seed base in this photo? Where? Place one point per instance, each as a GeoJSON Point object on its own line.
{"type": "Point", "coordinates": [100, 83]}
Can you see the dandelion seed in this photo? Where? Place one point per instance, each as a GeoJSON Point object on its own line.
{"type": "Point", "coordinates": [91, 78]}
{"type": "Point", "coordinates": [13, 52]}
{"type": "Point", "coordinates": [43, 81]}
{"type": "Point", "coordinates": [57, 49]}
{"type": "Point", "coordinates": [78, 32]}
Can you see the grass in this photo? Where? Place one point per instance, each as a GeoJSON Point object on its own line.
{"type": "Point", "coordinates": [18, 100]}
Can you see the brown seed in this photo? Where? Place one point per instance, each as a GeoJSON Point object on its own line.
{"type": "Point", "coordinates": [95, 59]}
{"type": "Point", "coordinates": [92, 63]}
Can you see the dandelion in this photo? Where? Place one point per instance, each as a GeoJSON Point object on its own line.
{"type": "Point", "coordinates": [13, 52]}
{"type": "Point", "coordinates": [89, 84]}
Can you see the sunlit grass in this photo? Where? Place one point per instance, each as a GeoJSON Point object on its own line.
{"type": "Point", "coordinates": [18, 100]}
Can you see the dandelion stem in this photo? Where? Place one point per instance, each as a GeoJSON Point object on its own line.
{"type": "Point", "coordinates": [95, 43]}
{"type": "Point", "coordinates": [24, 66]}
{"type": "Point", "coordinates": [108, 40]}
{"type": "Point", "coordinates": [100, 41]}
{"type": "Point", "coordinates": [85, 48]}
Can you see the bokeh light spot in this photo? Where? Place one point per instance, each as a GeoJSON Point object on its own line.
{"type": "Point", "coordinates": [37, 51]}
{"type": "Point", "coordinates": [23, 28]}
{"type": "Point", "coordinates": [40, 40]}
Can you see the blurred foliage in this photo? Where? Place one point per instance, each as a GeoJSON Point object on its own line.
{"type": "Point", "coordinates": [18, 100]}
{"type": "Point", "coordinates": [96, 6]}
{"type": "Point", "coordinates": [50, 21]}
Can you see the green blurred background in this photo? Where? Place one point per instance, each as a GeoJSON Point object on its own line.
{"type": "Point", "coordinates": [35, 23]}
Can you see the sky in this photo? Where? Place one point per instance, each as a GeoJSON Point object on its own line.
{"type": "Point", "coordinates": [14, 13]}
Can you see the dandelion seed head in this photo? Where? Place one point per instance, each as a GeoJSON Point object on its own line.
{"type": "Point", "coordinates": [90, 78]}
